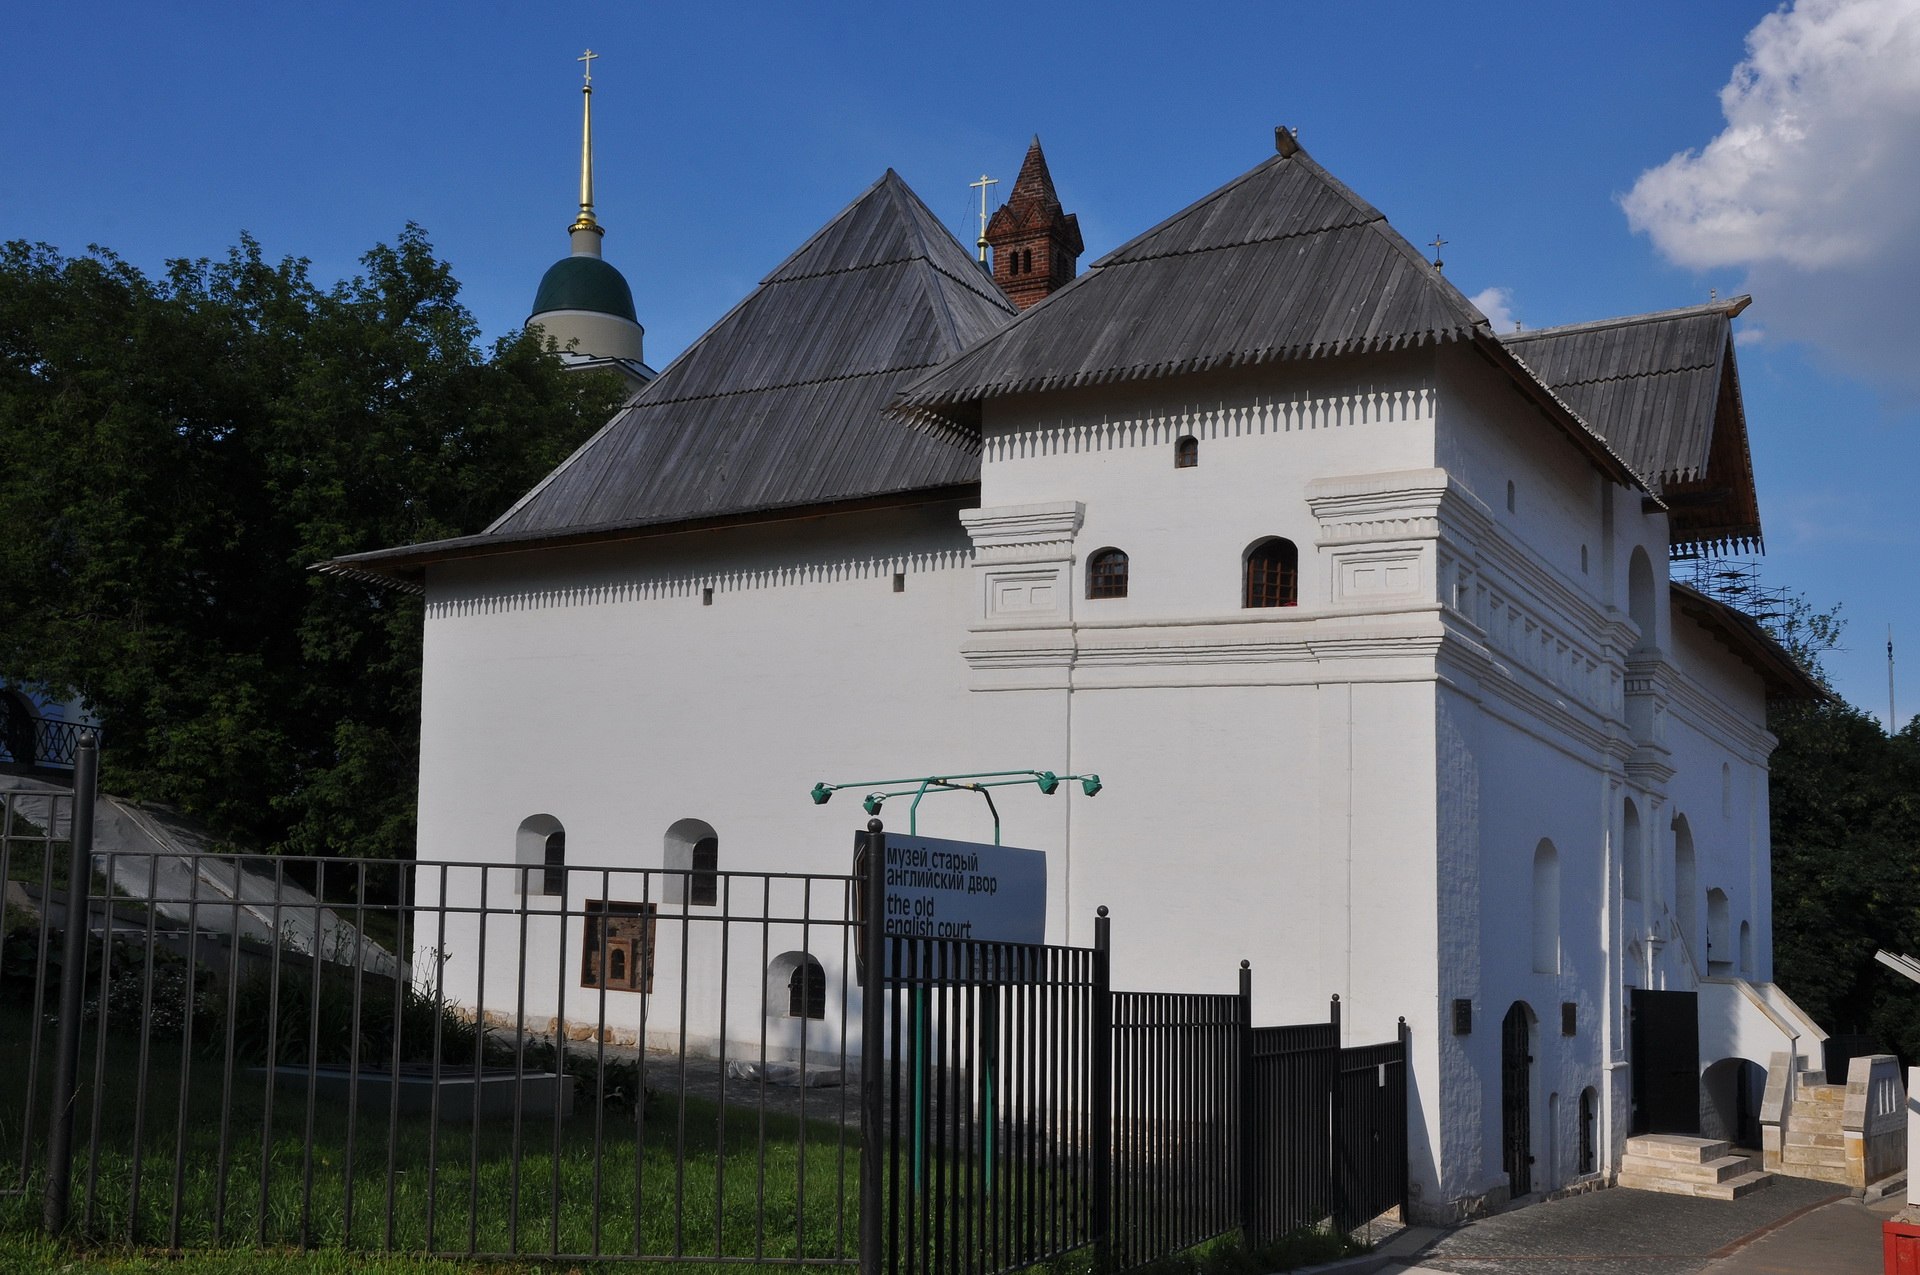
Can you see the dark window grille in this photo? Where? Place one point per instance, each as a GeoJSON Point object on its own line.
{"type": "Point", "coordinates": [807, 990]}
{"type": "Point", "coordinates": [703, 886]}
{"type": "Point", "coordinates": [1186, 453]}
{"type": "Point", "coordinates": [554, 879]}
{"type": "Point", "coordinates": [1107, 574]}
{"type": "Point", "coordinates": [1273, 575]}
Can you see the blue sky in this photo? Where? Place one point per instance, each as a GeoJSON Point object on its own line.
{"type": "Point", "coordinates": [1522, 133]}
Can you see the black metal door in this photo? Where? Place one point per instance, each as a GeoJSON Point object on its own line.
{"type": "Point", "coordinates": [1665, 1031]}
{"type": "Point", "coordinates": [1516, 1098]}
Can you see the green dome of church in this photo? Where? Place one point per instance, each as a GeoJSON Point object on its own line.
{"type": "Point", "coordinates": [584, 283]}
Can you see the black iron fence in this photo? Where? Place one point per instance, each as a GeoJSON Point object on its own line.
{"type": "Point", "coordinates": [41, 743]}
{"type": "Point", "coordinates": [486, 1059]}
{"type": "Point", "coordinates": [1034, 1110]}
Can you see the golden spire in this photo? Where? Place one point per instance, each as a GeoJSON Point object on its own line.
{"type": "Point", "coordinates": [585, 221]}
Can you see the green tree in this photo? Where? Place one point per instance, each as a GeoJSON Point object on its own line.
{"type": "Point", "coordinates": [176, 453]}
{"type": "Point", "coordinates": [1845, 798]}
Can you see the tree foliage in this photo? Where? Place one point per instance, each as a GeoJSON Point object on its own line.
{"type": "Point", "coordinates": [175, 455]}
{"type": "Point", "coordinates": [1845, 799]}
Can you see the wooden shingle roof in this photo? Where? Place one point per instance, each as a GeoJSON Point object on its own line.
{"type": "Point", "coordinates": [1284, 262]}
{"type": "Point", "coordinates": [1663, 390]}
{"type": "Point", "coordinates": [780, 405]}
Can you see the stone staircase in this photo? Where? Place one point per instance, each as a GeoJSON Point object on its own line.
{"type": "Point", "coordinates": [1815, 1143]}
{"type": "Point", "coordinates": [1679, 1165]}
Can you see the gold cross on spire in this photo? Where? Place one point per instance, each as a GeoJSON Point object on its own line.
{"type": "Point", "coordinates": [586, 221]}
{"type": "Point", "coordinates": [984, 182]}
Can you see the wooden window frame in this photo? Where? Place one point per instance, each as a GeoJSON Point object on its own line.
{"type": "Point", "coordinates": [1270, 575]}
{"type": "Point", "coordinates": [1108, 571]}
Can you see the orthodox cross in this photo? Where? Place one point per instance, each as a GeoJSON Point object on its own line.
{"type": "Point", "coordinates": [1437, 244]}
{"type": "Point", "coordinates": [984, 182]}
{"type": "Point", "coordinates": [588, 58]}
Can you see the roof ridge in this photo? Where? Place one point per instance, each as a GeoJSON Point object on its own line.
{"type": "Point", "coordinates": [930, 289]}
{"type": "Point", "coordinates": [1236, 244]}
{"type": "Point", "coordinates": [1208, 198]}
{"type": "Point", "coordinates": [1678, 370]}
{"type": "Point", "coordinates": [832, 221]}
{"type": "Point", "coordinates": [1727, 308]}
{"type": "Point", "coordinates": [785, 385]}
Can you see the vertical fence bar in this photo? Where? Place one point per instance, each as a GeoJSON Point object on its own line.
{"type": "Point", "coordinates": [1405, 1037]}
{"type": "Point", "coordinates": [1100, 1097]}
{"type": "Point", "coordinates": [1336, 1121]}
{"type": "Point", "coordinates": [1243, 1122]}
{"type": "Point", "coordinates": [66, 1057]}
{"type": "Point", "coordinates": [873, 1026]}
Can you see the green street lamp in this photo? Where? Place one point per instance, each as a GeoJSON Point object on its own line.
{"type": "Point", "coordinates": [980, 781]}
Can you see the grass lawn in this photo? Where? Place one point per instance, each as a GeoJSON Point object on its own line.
{"type": "Point", "coordinates": [698, 1185]}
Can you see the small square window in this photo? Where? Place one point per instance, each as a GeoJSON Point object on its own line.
{"type": "Point", "coordinates": [899, 582]}
{"type": "Point", "coordinates": [706, 596]}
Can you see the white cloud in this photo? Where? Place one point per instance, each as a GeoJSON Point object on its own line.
{"type": "Point", "coordinates": [1813, 186]}
{"type": "Point", "coordinates": [1749, 334]}
{"type": "Point", "coordinates": [1497, 305]}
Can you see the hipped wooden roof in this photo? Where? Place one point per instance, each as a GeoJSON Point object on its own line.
{"type": "Point", "coordinates": [780, 405]}
{"type": "Point", "coordinates": [1283, 262]}
{"type": "Point", "coordinates": [1663, 389]}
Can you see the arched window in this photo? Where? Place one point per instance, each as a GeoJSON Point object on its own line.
{"type": "Point", "coordinates": [1510, 496]}
{"type": "Point", "coordinates": [1726, 790]}
{"type": "Point", "coordinates": [1107, 574]}
{"type": "Point", "coordinates": [807, 991]}
{"type": "Point", "coordinates": [1546, 909]}
{"type": "Point", "coordinates": [1640, 594]}
{"type": "Point", "coordinates": [796, 987]}
{"type": "Point", "coordinates": [1026, 261]}
{"type": "Point", "coordinates": [1720, 952]}
{"type": "Point", "coordinates": [692, 857]}
{"type": "Point", "coordinates": [1686, 889]}
{"type": "Point", "coordinates": [1186, 452]}
{"type": "Point", "coordinates": [1272, 575]}
{"type": "Point", "coordinates": [540, 851]}
{"type": "Point", "coordinates": [1632, 859]}
{"type": "Point", "coordinates": [1746, 948]}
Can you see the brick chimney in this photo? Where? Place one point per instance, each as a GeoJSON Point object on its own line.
{"type": "Point", "coordinates": [1036, 246]}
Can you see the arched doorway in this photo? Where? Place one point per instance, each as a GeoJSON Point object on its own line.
{"type": "Point", "coordinates": [1730, 1094]}
{"type": "Point", "coordinates": [1516, 1099]}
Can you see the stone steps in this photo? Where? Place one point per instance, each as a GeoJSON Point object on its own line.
{"type": "Point", "coordinates": [1677, 1165]}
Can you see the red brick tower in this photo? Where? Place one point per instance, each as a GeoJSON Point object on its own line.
{"type": "Point", "coordinates": [1036, 246]}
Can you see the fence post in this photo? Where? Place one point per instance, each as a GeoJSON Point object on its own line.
{"type": "Point", "coordinates": [1100, 1080]}
{"type": "Point", "coordinates": [1405, 1035]}
{"type": "Point", "coordinates": [1336, 1117]}
{"type": "Point", "coordinates": [1249, 1142]}
{"type": "Point", "coordinates": [873, 1029]}
{"type": "Point", "coordinates": [66, 1058]}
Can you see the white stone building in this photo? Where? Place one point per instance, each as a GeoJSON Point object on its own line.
{"type": "Point", "coordinates": [1361, 611]}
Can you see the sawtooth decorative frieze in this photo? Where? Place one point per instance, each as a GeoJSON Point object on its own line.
{"type": "Point", "coordinates": [688, 582]}
{"type": "Point", "coordinates": [1267, 414]}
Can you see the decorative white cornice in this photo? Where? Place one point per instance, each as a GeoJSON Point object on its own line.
{"type": "Point", "coordinates": [1024, 533]}
{"type": "Point", "coordinates": [1356, 508]}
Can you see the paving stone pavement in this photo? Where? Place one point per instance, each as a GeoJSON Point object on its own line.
{"type": "Point", "coordinates": [1622, 1232]}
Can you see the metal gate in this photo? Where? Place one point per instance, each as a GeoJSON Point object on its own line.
{"type": "Point", "coordinates": [1664, 1028]}
{"type": "Point", "coordinates": [1516, 1099]}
